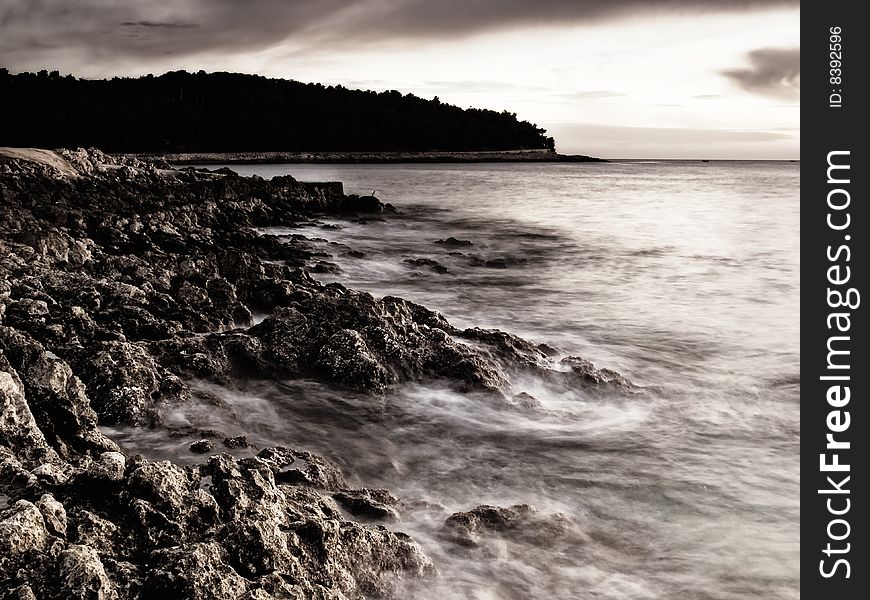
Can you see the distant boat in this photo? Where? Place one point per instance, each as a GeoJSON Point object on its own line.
{"type": "Point", "coordinates": [704, 160]}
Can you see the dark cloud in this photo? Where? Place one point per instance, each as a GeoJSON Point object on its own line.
{"type": "Point", "coordinates": [772, 72]}
{"type": "Point", "coordinates": [155, 24]}
{"type": "Point", "coordinates": [95, 30]}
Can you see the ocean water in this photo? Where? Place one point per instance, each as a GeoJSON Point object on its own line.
{"type": "Point", "coordinates": [683, 276]}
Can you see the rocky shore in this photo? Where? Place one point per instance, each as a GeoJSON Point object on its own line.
{"type": "Point", "coordinates": [123, 281]}
{"type": "Point", "coordinates": [217, 158]}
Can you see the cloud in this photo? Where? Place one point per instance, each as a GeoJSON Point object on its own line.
{"type": "Point", "coordinates": [772, 72]}
{"type": "Point", "coordinates": [616, 141]}
{"type": "Point", "coordinates": [100, 29]}
{"type": "Point", "coordinates": [591, 95]}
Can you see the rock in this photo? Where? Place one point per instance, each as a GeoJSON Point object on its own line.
{"type": "Point", "coordinates": [452, 242]}
{"type": "Point", "coordinates": [323, 266]}
{"type": "Point", "coordinates": [584, 372]}
{"type": "Point", "coordinates": [526, 401]}
{"type": "Point", "coordinates": [196, 572]}
{"type": "Point", "coordinates": [57, 398]}
{"type": "Point", "coordinates": [18, 429]}
{"type": "Point", "coordinates": [496, 263]}
{"type": "Point", "coordinates": [362, 204]}
{"type": "Point", "coordinates": [22, 530]}
{"type": "Point", "coordinates": [54, 515]}
{"type": "Point", "coordinates": [303, 468]}
{"type": "Point", "coordinates": [22, 592]}
{"type": "Point", "coordinates": [520, 522]}
{"type": "Point", "coordinates": [240, 441]}
{"type": "Point", "coordinates": [87, 528]}
{"type": "Point", "coordinates": [375, 505]}
{"type": "Point", "coordinates": [202, 447]}
{"type": "Point", "coordinates": [83, 576]}
{"type": "Point", "coordinates": [120, 283]}
{"type": "Point", "coordinates": [26, 310]}
{"type": "Point", "coordinates": [110, 467]}
{"type": "Point", "coordinates": [345, 358]}
{"type": "Point", "coordinates": [433, 265]}
{"type": "Point", "coordinates": [52, 474]}
{"type": "Point", "coordinates": [122, 380]}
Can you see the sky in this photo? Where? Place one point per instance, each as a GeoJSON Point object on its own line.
{"type": "Point", "coordinates": [609, 78]}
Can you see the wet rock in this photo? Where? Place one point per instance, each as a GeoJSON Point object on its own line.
{"type": "Point", "coordinates": [56, 397]}
{"type": "Point", "coordinates": [362, 204]}
{"type": "Point", "coordinates": [496, 263]}
{"type": "Point", "coordinates": [303, 468]}
{"type": "Point", "coordinates": [520, 522]}
{"type": "Point", "coordinates": [122, 282]}
{"type": "Point", "coordinates": [323, 266]}
{"type": "Point", "coordinates": [346, 359]}
{"type": "Point", "coordinates": [239, 441]}
{"type": "Point", "coordinates": [375, 505]}
{"type": "Point", "coordinates": [526, 401]}
{"type": "Point", "coordinates": [433, 265]}
{"type": "Point", "coordinates": [509, 349]}
{"type": "Point", "coordinates": [584, 372]}
{"type": "Point", "coordinates": [452, 242]}
{"type": "Point", "coordinates": [202, 447]}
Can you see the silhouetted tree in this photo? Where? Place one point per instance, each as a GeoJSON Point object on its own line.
{"type": "Point", "coordinates": [225, 112]}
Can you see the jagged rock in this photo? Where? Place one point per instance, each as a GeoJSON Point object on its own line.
{"type": "Point", "coordinates": [433, 265]}
{"type": "Point", "coordinates": [196, 572]}
{"type": "Point", "coordinates": [583, 371]}
{"type": "Point", "coordinates": [345, 358]}
{"type": "Point", "coordinates": [323, 266]}
{"type": "Point", "coordinates": [303, 468]}
{"type": "Point", "coordinates": [452, 242]}
{"type": "Point", "coordinates": [56, 397]}
{"type": "Point", "coordinates": [202, 446]}
{"type": "Point", "coordinates": [18, 429]}
{"type": "Point", "coordinates": [239, 441]}
{"type": "Point", "coordinates": [109, 467]}
{"type": "Point", "coordinates": [526, 401]}
{"type": "Point", "coordinates": [122, 282]}
{"type": "Point", "coordinates": [376, 505]}
{"type": "Point", "coordinates": [83, 576]}
{"type": "Point", "coordinates": [521, 522]}
{"type": "Point", "coordinates": [362, 204]}
{"type": "Point", "coordinates": [26, 310]}
{"type": "Point", "coordinates": [90, 529]}
{"type": "Point", "coordinates": [22, 530]}
{"type": "Point", "coordinates": [22, 592]}
{"type": "Point", "coordinates": [54, 515]}
{"type": "Point", "coordinates": [122, 380]}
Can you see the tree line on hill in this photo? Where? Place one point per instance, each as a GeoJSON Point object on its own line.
{"type": "Point", "coordinates": [232, 112]}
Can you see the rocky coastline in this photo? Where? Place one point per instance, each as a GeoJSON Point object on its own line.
{"type": "Point", "coordinates": [494, 156]}
{"type": "Point", "coordinates": [124, 280]}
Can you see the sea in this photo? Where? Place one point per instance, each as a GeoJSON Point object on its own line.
{"type": "Point", "coordinates": [681, 275]}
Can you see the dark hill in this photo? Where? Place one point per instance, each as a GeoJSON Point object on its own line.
{"type": "Point", "coordinates": [230, 112]}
